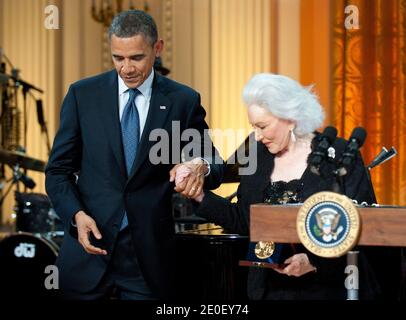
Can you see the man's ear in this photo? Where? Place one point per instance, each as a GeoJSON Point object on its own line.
{"type": "Point", "coordinates": [159, 45]}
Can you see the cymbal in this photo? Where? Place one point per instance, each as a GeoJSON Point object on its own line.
{"type": "Point", "coordinates": [13, 157]}
{"type": "Point", "coordinates": [5, 77]}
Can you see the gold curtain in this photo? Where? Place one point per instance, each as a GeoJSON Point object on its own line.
{"type": "Point", "coordinates": [368, 89]}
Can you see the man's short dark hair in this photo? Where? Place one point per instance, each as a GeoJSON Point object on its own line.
{"type": "Point", "coordinates": [130, 23]}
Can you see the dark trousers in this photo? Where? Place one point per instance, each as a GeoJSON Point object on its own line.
{"type": "Point", "coordinates": [123, 279]}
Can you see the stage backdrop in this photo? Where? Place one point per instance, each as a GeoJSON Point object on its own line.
{"type": "Point", "coordinates": [368, 86]}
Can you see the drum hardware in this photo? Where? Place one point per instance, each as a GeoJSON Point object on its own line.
{"type": "Point", "coordinates": [13, 127]}
{"type": "Point", "coordinates": [34, 213]}
{"type": "Point", "coordinates": [17, 160]}
{"type": "Point", "coordinates": [13, 158]}
{"type": "Point", "coordinates": [18, 176]}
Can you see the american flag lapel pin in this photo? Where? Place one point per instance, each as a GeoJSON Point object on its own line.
{"type": "Point", "coordinates": [162, 107]}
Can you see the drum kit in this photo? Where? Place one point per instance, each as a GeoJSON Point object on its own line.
{"type": "Point", "coordinates": [33, 241]}
{"type": "Point", "coordinates": [25, 253]}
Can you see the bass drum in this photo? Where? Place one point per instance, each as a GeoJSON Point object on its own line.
{"type": "Point", "coordinates": [24, 258]}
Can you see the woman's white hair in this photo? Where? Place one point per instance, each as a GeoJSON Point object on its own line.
{"type": "Point", "coordinates": [285, 98]}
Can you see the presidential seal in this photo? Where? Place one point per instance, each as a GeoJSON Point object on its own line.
{"type": "Point", "coordinates": [328, 224]}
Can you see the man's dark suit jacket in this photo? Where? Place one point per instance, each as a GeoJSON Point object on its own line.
{"type": "Point", "coordinates": [86, 171]}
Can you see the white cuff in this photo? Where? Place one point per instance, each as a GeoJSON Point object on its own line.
{"type": "Point", "coordinates": [208, 167]}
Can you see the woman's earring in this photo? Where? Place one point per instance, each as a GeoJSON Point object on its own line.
{"type": "Point", "coordinates": [292, 136]}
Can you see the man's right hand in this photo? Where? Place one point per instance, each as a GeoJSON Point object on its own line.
{"type": "Point", "coordinates": [189, 177]}
{"type": "Point", "coordinates": [86, 224]}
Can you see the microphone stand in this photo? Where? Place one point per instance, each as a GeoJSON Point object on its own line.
{"type": "Point", "coordinates": [338, 184]}
{"type": "Point", "coordinates": [25, 91]}
{"type": "Point", "coordinates": [4, 99]}
{"type": "Point", "coordinates": [352, 255]}
{"type": "Point", "coordinates": [44, 129]}
{"type": "Point", "coordinates": [41, 121]}
{"type": "Point", "coordinates": [26, 87]}
{"type": "Point", "coordinates": [371, 188]}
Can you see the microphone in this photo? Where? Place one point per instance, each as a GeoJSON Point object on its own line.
{"type": "Point", "coordinates": [2, 66]}
{"type": "Point", "coordinates": [40, 114]}
{"type": "Point", "coordinates": [320, 151]}
{"type": "Point", "coordinates": [355, 142]}
{"type": "Point", "coordinates": [382, 157]}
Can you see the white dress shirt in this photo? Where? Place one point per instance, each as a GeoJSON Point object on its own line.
{"type": "Point", "coordinates": [142, 101]}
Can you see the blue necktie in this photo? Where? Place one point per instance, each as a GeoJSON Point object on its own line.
{"type": "Point", "coordinates": [130, 131]}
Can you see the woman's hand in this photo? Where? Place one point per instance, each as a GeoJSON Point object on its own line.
{"type": "Point", "coordinates": [297, 265]}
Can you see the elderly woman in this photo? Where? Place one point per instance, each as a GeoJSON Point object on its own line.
{"type": "Point", "coordinates": [284, 116]}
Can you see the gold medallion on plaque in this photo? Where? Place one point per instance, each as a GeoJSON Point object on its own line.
{"type": "Point", "coordinates": [328, 224]}
{"type": "Point", "coordinates": [264, 249]}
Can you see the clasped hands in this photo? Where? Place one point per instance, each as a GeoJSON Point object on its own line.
{"type": "Point", "coordinates": [189, 178]}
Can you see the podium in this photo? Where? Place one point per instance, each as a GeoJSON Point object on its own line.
{"type": "Point", "coordinates": [383, 226]}
{"type": "Point", "coordinates": [380, 226]}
